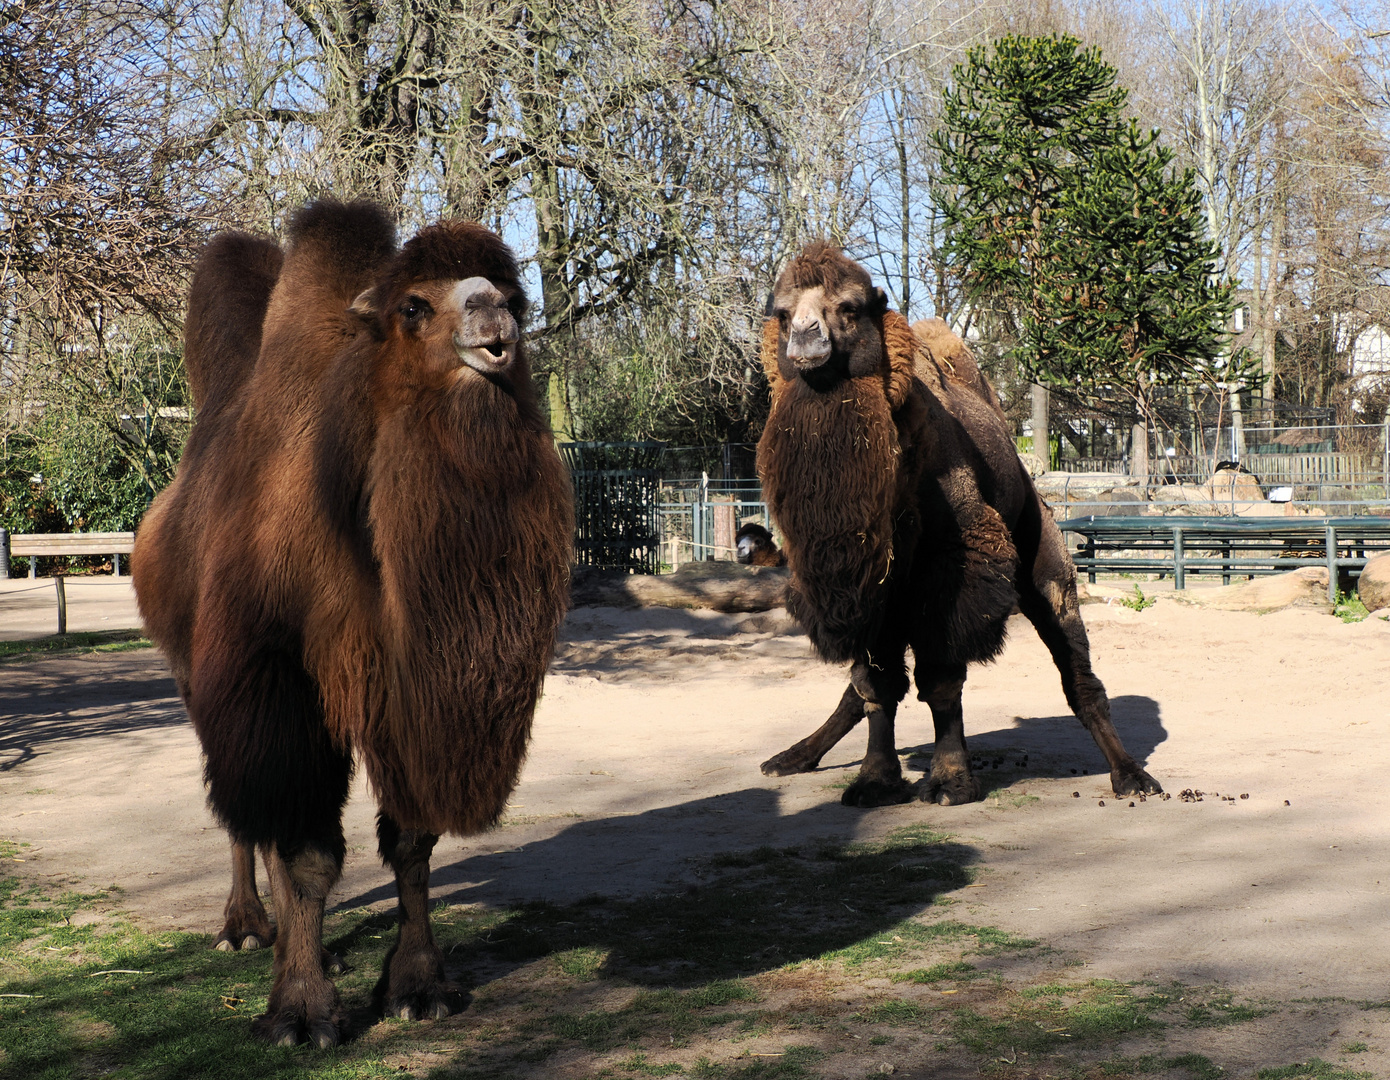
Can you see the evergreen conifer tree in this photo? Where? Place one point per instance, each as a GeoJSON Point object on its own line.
{"type": "Point", "coordinates": [1064, 212]}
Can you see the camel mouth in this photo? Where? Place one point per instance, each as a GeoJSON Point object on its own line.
{"type": "Point", "coordinates": [489, 358]}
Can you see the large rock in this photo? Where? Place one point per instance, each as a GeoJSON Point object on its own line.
{"type": "Point", "coordinates": [1190, 499]}
{"type": "Point", "coordinates": [1228, 486]}
{"type": "Point", "coordinates": [1305, 588]}
{"type": "Point", "coordinates": [722, 586]}
{"type": "Point", "coordinates": [1374, 584]}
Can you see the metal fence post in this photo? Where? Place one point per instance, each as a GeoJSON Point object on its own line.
{"type": "Point", "coordinates": [4, 554]}
{"type": "Point", "coordinates": [1179, 570]}
{"type": "Point", "coordinates": [1330, 539]}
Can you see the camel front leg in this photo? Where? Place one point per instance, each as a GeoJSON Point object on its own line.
{"type": "Point", "coordinates": [950, 781]}
{"type": "Point", "coordinates": [412, 984]}
{"type": "Point", "coordinates": [303, 1002]}
{"type": "Point", "coordinates": [246, 924]}
{"type": "Point", "coordinates": [880, 781]}
{"type": "Point", "coordinates": [806, 755]}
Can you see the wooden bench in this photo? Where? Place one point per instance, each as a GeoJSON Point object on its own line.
{"type": "Point", "coordinates": [1197, 545]}
{"type": "Point", "coordinates": [33, 545]}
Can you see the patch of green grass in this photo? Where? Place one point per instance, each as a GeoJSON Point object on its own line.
{"type": "Point", "coordinates": [1313, 1069]}
{"type": "Point", "coordinates": [792, 1064]}
{"type": "Point", "coordinates": [580, 963]}
{"type": "Point", "coordinates": [1349, 607]}
{"type": "Point", "coordinates": [894, 1013]}
{"type": "Point", "coordinates": [639, 1064]}
{"type": "Point", "coordinates": [1052, 1016]}
{"type": "Point", "coordinates": [86, 641]}
{"type": "Point", "coordinates": [1011, 799]}
{"type": "Point", "coordinates": [1221, 1011]}
{"type": "Point", "coordinates": [1138, 602]}
{"type": "Point", "coordinates": [1197, 1066]}
{"type": "Point", "coordinates": [671, 1013]}
{"type": "Point", "coordinates": [936, 973]}
{"type": "Point", "coordinates": [109, 997]}
{"type": "Point", "coordinates": [1355, 1048]}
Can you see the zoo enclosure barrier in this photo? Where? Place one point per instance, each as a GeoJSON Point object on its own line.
{"type": "Point", "coordinates": [1226, 546]}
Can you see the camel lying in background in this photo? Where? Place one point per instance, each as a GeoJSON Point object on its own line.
{"type": "Point", "coordinates": [365, 554]}
{"type": "Point", "coordinates": [754, 546]}
{"type": "Point", "coordinates": [908, 520]}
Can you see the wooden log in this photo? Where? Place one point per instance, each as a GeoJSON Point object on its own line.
{"type": "Point", "coordinates": [719, 586]}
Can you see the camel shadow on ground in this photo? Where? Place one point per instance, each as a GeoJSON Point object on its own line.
{"type": "Point", "coordinates": [1055, 747]}
{"type": "Point", "coordinates": [701, 909]}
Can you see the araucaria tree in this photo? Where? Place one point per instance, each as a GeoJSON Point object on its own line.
{"type": "Point", "coordinates": [1067, 218]}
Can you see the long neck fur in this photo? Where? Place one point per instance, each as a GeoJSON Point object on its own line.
{"type": "Point", "coordinates": [829, 465]}
{"type": "Point", "coordinates": [471, 517]}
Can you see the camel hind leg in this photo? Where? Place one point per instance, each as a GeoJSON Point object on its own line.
{"type": "Point", "coordinates": [1049, 601]}
{"type": "Point", "coordinates": [805, 755]}
{"type": "Point", "coordinates": [246, 924]}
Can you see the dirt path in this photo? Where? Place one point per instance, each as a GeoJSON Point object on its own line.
{"type": "Point", "coordinates": [645, 756]}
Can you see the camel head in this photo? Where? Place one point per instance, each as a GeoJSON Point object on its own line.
{"type": "Point", "coordinates": [829, 315]}
{"type": "Point", "coordinates": [450, 306]}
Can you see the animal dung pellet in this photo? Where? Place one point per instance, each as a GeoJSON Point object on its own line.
{"type": "Point", "coordinates": [1073, 772]}
{"type": "Point", "coordinates": [1246, 795]}
{"type": "Point", "coordinates": [1076, 794]}
{"type": "Point", "coordinates": [1286, 802]}
{"type": "Point", "coordinates": [1131, 802]}
{"type": "Point", "coordinates": [1102, 802]}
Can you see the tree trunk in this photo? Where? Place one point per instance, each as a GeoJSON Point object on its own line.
{"type": "Point", "coordinates": [1041, 445]}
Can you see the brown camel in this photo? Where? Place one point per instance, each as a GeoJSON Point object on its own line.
{"type": "Point", "coordinates": [754, 546]}
{"type": "Point", "coordinates": [908, 521]}
{"type": "Point", "coordinates": [364, 555]}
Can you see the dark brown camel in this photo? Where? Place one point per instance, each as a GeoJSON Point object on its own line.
{"type": "Point", "coordinates": [754, 546]}
{"type": "Point", "coordinates": [909, 521]}
{"type": "Point", "coordinates": [364, 556]}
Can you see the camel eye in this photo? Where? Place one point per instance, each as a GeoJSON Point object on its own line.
{"type": "Point", "coordinates": [415, 307]}
{"type": "Point", "coordinates": [849, 310]}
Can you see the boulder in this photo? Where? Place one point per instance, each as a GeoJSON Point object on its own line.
{"type": "Point", "coordinates": [1189, 499]}
{"type": "Point", "coordinates": [1374, 584]}
{"type": "Point", "coordinates": [721, 586]}
{"type": "Point", "coordinates": [1304, 588]}
{"type": "Point", "coordinates": [1229, 486]}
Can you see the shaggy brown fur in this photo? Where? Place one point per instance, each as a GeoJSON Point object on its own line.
{"type": "Point", "coordinates": [365, 552]}
{"type": "Point", "coordinates": [909, 522]}
{"type": "Point", "coordinates": [754, 546]}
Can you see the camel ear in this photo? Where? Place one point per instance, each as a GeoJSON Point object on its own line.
{"type": "Point", "coordinates": [879, 301]}
{"type": "Point", "coordinates": [364, 307]}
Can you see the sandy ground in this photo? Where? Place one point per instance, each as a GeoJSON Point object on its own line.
{"type": "Point", "coordinates": [645, 757]}
{"type": "Point", "coordinates": [29, 606]}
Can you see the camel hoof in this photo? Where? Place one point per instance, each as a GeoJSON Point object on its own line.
{"type": "Point", "coordinates": [1136, 782]}
{"type": "Point", "coordinates": [291, 1026]}
{"type": "Point", "coordinates": [427, 1004]}
{"type": "Point", "coordinates": [787, 763]}
{"type": "Point", "coordinates": [223, 945]}
{"type": "Point", "coordinates": [954, 789]}
{"type": "Point", "coordinates": [333, 964]}
{"type": "Point", "coordinates": [250, 943]}
{"type": "Point", "coordinates": [868, 793]}
{"type": "Point", "coordinates": [324, 1034]}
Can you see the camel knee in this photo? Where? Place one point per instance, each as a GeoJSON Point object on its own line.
{"type": "Point", "coordinates": [942, 696]}
{"type": "Point", "coordinates": [886, 685]}
{"type": "Point", "coordinates": [312, 872]}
